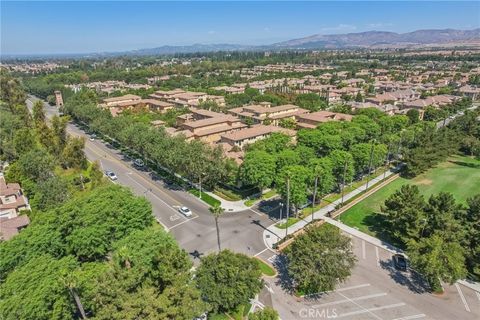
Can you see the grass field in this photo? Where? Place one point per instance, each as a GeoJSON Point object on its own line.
{"type": "Point", "coordinates": [459, 176]}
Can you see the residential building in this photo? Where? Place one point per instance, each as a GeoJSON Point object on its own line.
{"type": "Point", "coordinates": [312, 120]}
{"type": "Point", "coordinates": [257, 132]}
{"type": "Point", "coordinates": [265, 113]}
{"type": "Point", "coordinates": [12, 200]}
{"type": "Point", "coordinates": [11, 227]}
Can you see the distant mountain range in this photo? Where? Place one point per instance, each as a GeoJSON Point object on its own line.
{"type": "Point", "coordinates": [369, 39]}
{"type": "Point", "coordinates": [378, 39]}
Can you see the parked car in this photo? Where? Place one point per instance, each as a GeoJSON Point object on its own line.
{"type": "Point", "coordinates": [138, 163]}
{"type": "Point", "coordinates": [400, 262]}
{"type": "Point", "coordinates": [185, 211]}
{"type": "Point", "coordinates": [93, 137]}
{"type": "Point", "coordinates": [111, 175]}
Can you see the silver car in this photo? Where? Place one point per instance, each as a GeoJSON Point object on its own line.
{"type": "Point", "coordinates": [185, 211]}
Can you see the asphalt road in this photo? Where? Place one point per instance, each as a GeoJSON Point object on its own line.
{"type": "Point", "coordinates": [240, 232]}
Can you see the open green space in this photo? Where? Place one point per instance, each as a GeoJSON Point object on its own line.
{"type": "Point", "coordinates": [458, 175]}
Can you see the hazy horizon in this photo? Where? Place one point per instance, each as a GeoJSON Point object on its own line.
{"type": "Point", "coordinates": [48, 28]}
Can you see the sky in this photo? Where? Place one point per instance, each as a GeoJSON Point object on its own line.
{"type": "Point", "coordinates": [57, 27]}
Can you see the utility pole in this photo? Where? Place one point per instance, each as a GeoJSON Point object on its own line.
{"type": "Point", "coordinates": [343, 182]}
{"type": "Point", "coordinates": [369, 165]}
{"type": "Point", "coordinates": [288, 206]}
{"type": "Point", "coordinates": [387, 160]}
{"type": "Point", "coordinates": [314, 194]}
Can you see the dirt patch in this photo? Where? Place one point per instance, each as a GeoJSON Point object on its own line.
{"type": "Point", "coordinates": [425, 182]}
{"type": "Point", "coordinates": [445, 164]}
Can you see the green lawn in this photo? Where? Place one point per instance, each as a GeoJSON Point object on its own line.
{"type": "Point", "coordinates": [266, 269]}
{"type": "Point", "coordinates": [290, 221]}
{"type": "Point", "coordinates": [459, 176]}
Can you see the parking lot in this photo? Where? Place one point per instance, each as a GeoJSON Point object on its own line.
{"type": "Point", "coordinates": [376, 290]}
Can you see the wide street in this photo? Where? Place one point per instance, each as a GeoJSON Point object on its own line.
{"type": "Point", "coordinates": [374, 291]}
{"type": "Point", "coordinates": [239, 231]}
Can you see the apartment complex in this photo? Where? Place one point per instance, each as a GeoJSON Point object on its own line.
{"type": "Point", "coordinates": [265, 113]}
{"type": "Point", "coordinates": [12, 202]}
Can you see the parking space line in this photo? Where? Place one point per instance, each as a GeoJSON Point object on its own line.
{"type": "Point", "coordinates": [353, 287]}
{"type": "Point", "coordinates": [370, 296]}
{"type": "Point", "coordinates": [462, 297]}
{"type": "Point", "coordinates": [378, 258]}
{"type": "Point", "coordinates": [364, 255]}
{"type": "Point", "coordinates": [370, 310]}
{"type": "Point", "coordinates": [185, 221]}
{"type": "Point", "coordinates": [415, 316]}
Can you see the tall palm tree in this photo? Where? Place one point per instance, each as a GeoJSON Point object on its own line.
{"type": "Point", "coordinates": [217, 211]}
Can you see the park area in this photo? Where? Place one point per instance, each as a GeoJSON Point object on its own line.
{"type": "Point", "coordinates": [458, 175]}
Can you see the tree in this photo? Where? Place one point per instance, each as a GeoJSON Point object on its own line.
{"type": "Point", "coordinates": [217, 211]}
{"type": "Point", "coordinates": [50, 193]}
{"type": "Point", "coordinates": [38, 113]}
{"type": "Point", "coordinates": [342, 166]}
{"type": "Point", "coordinates": [73, 155]}
{"type": "Point", "coordinates": [404, 213]}
{"type": "Point", "coordinates": [299, 180]}
{"type": "Point", "coordinates": [311, 101]}
{"type": "Point", "coordinates": [148, 277]}
{"type": "Point", "coordinates": [227, 280]}
{"type": "Point", "coordinates": [437, 259]}
{"type": "Point", "coordinates": [472, 221]}
{"type": "Point", "coordinates": [287, 157]}
{"type": "Point", "coordinates": [23, 141]}
{"type": "Point", "coordinates": [413, 116]}
{"type": "Point", "coordinates": [288, 123]}
{"type": "Point", "coordinates": [266, 313]}
{"type": "Point", "coordinates": [37, 165]}
{"type": "Point", "coordinates": [323, 178]}
{"type": "Point", "coordinates": [258, 169]}
{"type": "Point", "coordinates": [359, 97]}
{"type": "Point", "coordinates": [320, 258]}
{"type": "Point", "coordinates": [36, 290]}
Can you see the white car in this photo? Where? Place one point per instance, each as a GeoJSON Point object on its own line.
{"type": "Point", "coordinates": [185, 211]}
{"type": "Point", "coordinates": [111, 175]}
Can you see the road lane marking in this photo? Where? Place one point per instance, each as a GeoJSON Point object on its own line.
{"type": "Point", "coordinates": [256, 212]}
{"type": "Point", "coordinates": [162, 224]}
{"type": "Point", "coordinates": [378, 258]}
{"type": "Point", "coordinates": [269, 288]}
{"type": "Point", "coordinates": [185, 221]}
{"type": "Point", "coordinates": [364, 254]}
{"type": "Point", "coordinates": [415, 316]}
{"type": "Point", "coordinates": [370, 296]}
{"type": "Point", "coordinates": [462, 297]}
{"type": "Point", "coordinates": [153, 194]}
{"type": "Point", "coordinates": [261, 252]}
{"type": "Point", "coordinates": [370, 310]}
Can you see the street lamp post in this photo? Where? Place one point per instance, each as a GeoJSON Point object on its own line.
{"type": "Point", "coordinates": [314, 195]}
{"type": "Point", "coordinates": [201, 175]}
{"type": "Point", "coordinates": [288, 206]}
{"type": "Point", "coordinates": [370, 165]}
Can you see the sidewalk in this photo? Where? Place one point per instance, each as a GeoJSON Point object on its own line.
{"type": "Point", "coordinates": [273, 234]}
{"type": "Point", "coordinates": [230, 206]}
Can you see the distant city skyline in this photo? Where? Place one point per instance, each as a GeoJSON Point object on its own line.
{"type": "Point", "coordinates": [83, 27]}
